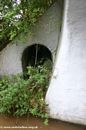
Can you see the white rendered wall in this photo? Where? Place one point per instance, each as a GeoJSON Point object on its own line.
{"type": "Point", "coordinates": [45, 32]}
{"type": "Point", "coordinates": [66, 95]}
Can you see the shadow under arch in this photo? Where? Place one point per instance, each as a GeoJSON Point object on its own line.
{"type": "Point", "coordinates": [35, 55]}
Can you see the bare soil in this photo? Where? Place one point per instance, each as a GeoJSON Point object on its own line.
{"type": "Point", "coordinates": [30, 123]}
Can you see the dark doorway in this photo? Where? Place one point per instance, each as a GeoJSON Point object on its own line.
{"type": "Point", "coordinates": [35, 55]}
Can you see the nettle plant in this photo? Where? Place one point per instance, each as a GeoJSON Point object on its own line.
{"type": "Point", "coordinates": [20, 97]}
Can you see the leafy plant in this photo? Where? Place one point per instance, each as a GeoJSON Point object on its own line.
{"type": "Point", "coordinates": [20, 97]}
{"type": "Point", "coordinates": [18, 16]}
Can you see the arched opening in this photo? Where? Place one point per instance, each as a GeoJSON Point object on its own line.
{"type": "Point", "coordinates": [35, 55]}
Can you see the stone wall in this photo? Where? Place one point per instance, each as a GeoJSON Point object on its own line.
{"type": "Point", "coordinates": [45, 32]}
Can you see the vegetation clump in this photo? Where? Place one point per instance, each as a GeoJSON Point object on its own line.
{"type": "Point", "coordinates": [20, 97]}
{"type": "Point", "coordinates": [17, 16]}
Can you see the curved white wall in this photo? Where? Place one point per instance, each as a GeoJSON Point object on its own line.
{"type": "Point", "coordinates": [66, 95]}
{"type": "Point", "coordinates": [45, 32]}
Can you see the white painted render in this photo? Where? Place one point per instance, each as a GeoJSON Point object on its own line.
{"type": "Point", "coordinates": [45, 32]}
{"type": "Point", "coordinates": [66, 95]}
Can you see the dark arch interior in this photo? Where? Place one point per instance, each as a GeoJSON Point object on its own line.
{"type": "Point", "coordinates": [35, 55]}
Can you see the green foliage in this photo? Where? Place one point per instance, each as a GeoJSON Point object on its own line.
{"type": "Point", "coordinates": [13, 96]}
{"type": "Point", "coordinates": [17, 17]}
{"type": "Point", "coordinates": [20, 97]}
